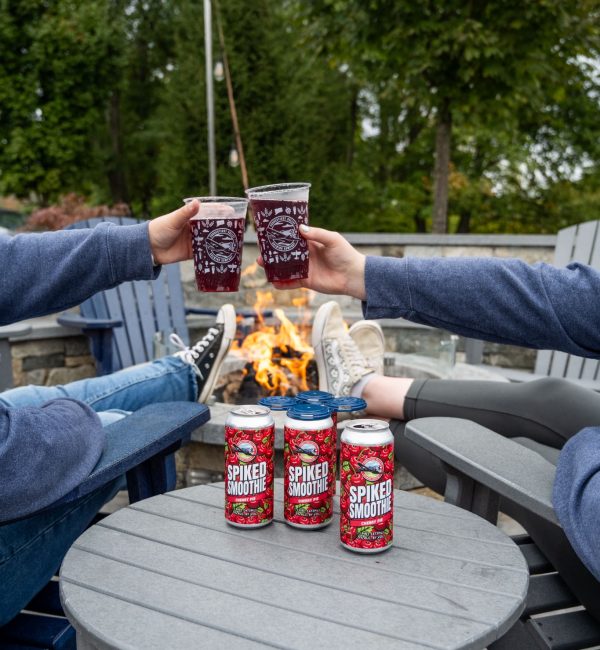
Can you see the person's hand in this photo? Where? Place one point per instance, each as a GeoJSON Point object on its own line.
{"type": "Point", "coordinates": [169, 235]}
{"type": "Point", "coordinates": [335, 266]}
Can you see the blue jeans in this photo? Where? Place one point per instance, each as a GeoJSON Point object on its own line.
{"type": "Point", "coordinates": [32, 549]}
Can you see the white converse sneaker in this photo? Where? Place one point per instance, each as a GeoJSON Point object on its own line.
{"type": "Point", "coordinates": [207, 355]}
{"type": "Point", "coordinates": [368, 335]}
{"type": "Point", "coordinates": [339, 361]}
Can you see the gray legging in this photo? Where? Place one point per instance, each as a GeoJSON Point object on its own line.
{"type": "Point", "coordinates": [547, 411]}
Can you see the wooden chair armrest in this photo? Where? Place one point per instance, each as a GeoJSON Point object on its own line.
{"type": "Point", "coordinates": [491, 460]}
{"type": "Point", "coordinates": [79, 322]}
{"type": "Point", "coordinates": [151, 432]}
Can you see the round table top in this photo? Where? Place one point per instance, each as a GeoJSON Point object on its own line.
{"type": "Point", "coordinates": [169, 572]}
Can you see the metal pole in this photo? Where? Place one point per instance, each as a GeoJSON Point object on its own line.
{"type": "Point", "coordinates": [210, 99]}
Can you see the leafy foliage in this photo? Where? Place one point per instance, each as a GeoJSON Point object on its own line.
{"type": "Point", "coordinates": [107, 99]}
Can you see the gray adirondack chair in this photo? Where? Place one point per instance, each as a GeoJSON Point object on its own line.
{"type": "Point", "coordinates": [578, 243]}
{"type": "Point", "coordinates": [482, 469]}
{"type": "Point", "coordinates": [122, 322]}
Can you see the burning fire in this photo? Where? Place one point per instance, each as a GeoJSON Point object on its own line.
{"type": "Point", "coordinates": [279, 354]}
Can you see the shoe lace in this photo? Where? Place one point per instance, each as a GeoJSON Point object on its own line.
{"type": "Point", "coordinates": [352, 353]}
{"type": "Point", "coordinates": [192, 354]}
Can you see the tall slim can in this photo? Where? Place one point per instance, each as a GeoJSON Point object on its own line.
{"type": "Point", "coordinates": [367, 486]}
{"type": "Point", "coordinates": [249, 445]}
{"type": "Point", "coordinates": [308, 466]}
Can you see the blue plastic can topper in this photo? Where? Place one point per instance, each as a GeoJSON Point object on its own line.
{"type": "Point", "coordinates": [314, 396]}
{"type": "Point", "coordinates": [348, 404]}
{"type": "Point", "coordinates": [308, 411]}
{"type": "Point", "coordinates": [277, 402]}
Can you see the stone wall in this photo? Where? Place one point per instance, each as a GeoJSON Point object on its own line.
{"type": "Point", "coordinates": [54, 355]}
{"type": "Point", "coordinates": [51, 361]}
{"type": "Point", "coordinates": [531, 248]}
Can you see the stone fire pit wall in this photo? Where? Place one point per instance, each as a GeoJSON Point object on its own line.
{"type": "Point", "coordinates": [54, 355]}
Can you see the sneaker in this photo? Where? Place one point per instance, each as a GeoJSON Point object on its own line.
{"type": "Point", "coordinates": [368, 336]}
{"type": "Point", "coordinates": [207, 355]}
{"type": "Point", "coordinates": [340, 363]}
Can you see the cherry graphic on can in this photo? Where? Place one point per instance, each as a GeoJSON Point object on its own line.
{"type": "Point", "coordinates": [325, 399]}
{"type": "Point", "coordinates": [367, 486]}
{"type": "Point", "coordinates": [308, 469]}
{"type": "Point", "coordinates": [249, 438]}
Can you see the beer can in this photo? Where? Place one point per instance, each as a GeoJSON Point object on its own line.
{"type": "Point", "coordinates": [326, 399]}
{"type": "Point", "coordinates": [308, 468]}
{"type": "Point", "coordinates": [367, 486]}
{"type": "Point", "coordinates": [249, 444]}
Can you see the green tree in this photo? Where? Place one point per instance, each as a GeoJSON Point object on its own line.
{"type": "Point", "coordinates": [488, 61]}
{"type": "Point", "coordinates": [58, 58]}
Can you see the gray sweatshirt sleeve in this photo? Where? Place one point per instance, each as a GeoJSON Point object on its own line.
{"type": "Point", "coordinates": [576, 495]}
{"type": "Point", "coordinates": [503, 300]}
{"type": "Point", "coordinates": [46, 451]}
{"type": "Point", "coordinates": [47, 272]}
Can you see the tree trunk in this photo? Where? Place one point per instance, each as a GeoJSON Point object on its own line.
{"type": "Point", "coordinates": [353, 121]}
{"type": "Point", "coordinates": [464, 223]}
{"type": "Point", "coordinates": [441, 172]}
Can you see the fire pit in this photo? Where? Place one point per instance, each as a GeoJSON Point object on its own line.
{"type": "Point", "coordinates": [270, 357]}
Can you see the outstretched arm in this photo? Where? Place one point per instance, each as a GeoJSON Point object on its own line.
{"type": "Point", "coordinates": [47, 272]}
{"type": "Point", "coordinates": [502, 300]}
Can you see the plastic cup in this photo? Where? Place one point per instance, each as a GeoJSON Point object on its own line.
{"type": "Point", "coordinates": [278, 211]}
{"type": "Point", "coordinates": [217, 233]}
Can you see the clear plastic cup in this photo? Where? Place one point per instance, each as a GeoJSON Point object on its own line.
{"type": "Point", "coordinates": [217, 233]}
{"type": "Point", "coordinates": [278, 211]}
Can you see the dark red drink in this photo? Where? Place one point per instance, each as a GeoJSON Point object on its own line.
{"type": "Point", "coordinates": [217, 245]}
{"type": "Point", "coordinates": [284, 251]}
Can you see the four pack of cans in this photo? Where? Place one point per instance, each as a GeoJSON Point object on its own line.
{"type": "Point", "coordinates": [310, 459]}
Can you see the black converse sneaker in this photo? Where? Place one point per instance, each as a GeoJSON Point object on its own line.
{"type": "Point", "coordinates": [207, 355]}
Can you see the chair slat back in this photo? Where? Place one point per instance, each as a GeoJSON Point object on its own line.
{"type": "Point", "coordinates": [144, 306]}
{"type": "Point", "coordinates": [579, 243]}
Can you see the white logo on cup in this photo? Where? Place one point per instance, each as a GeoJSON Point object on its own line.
{"type": "Point", "coordinates": [221, 245]}
{"type": "Point", "coordinates": [282, 233]}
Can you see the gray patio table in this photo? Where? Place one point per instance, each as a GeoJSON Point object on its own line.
{"type": "Point", "coordinates": [168, 572]}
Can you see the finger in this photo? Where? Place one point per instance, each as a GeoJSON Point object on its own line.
{"type": "Point", "coordinates": [326, 237]}
{"type": "Point", "coordinates": [260, 262]}
{"type": "Point", "coordinates": [178, 218]}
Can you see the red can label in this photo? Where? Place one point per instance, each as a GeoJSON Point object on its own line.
{"type": "Point", "coordinates": [249, 475]}
{"type": "Point", "coordinates": [367, 496]}
{"type": "Point", "coordinates": [308, 480]}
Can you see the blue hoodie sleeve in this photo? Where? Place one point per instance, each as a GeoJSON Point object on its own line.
{"type": "Point", "coordinates": [45, 452]}
{"type": "Point", "coordinates": [576, 496]}
{"type": "Point", "coordinates": [502, 300]}
{"type": "Point", "coordinates": [47, 272]}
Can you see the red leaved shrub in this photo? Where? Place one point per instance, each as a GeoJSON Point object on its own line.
{"type": "Point", "coordinates": [70, 209]}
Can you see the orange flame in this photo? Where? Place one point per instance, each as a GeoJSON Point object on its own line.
{"type": "Point", "coordinates": [279, 354]}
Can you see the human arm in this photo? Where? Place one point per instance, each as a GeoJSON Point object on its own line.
{"type": "Point", "coordinates": [576, 495]}
{"type": "Point", "coordinates": [501, 300]}
{"type": "Point", "coordinates": [45, 452]}
{"type": "Point", "coordinates": [48, 272]}
{"type": "Point", "coordinates": [335, 266]}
